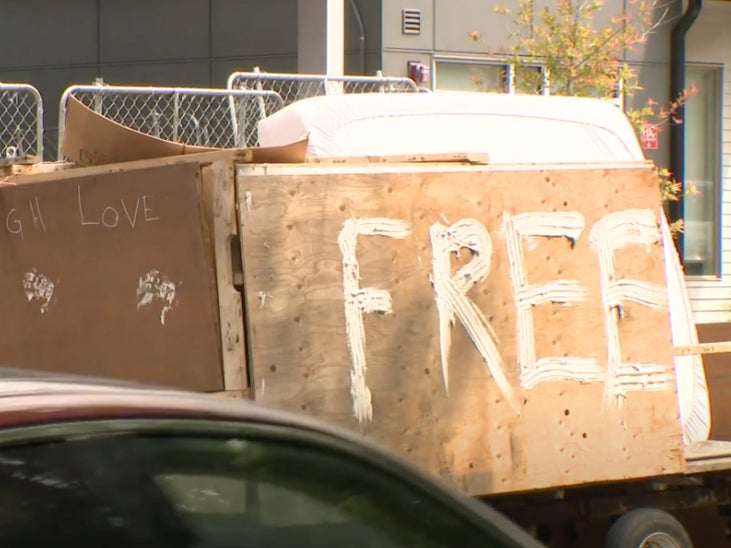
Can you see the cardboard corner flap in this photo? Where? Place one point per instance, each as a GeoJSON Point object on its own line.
{"type": "Point", "coordinates": [90, 138]}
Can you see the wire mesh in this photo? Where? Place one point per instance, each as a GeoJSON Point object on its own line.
{"type": "Point", "coordinates": [21, 123]}
{"type": "Point", "coordinates": [293, 87]}
{"type": "Point", "coordinates": [194, 116]}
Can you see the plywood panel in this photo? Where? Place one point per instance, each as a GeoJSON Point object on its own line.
{"type": "Point", "coordinates": [219, 204]}
{"type": "Point", "coordinates": [566, 430]}
{"type": "Point", "coordinates": [110, 274]}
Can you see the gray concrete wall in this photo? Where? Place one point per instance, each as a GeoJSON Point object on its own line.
{"type": "Point", "coordinates": [162, 42]}
{"type": "Point", "coordinates": [147, 42]}
{"type": "Point", "coordinates": [446, 25]}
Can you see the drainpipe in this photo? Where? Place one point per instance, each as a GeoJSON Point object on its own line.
{"type": "Point", "coordinates": [677, 84]}
{"type": "Point", "coordinates": [361, 36]}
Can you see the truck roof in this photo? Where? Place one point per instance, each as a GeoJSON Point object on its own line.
{"type": "Point", "coordinates": [508, 128]}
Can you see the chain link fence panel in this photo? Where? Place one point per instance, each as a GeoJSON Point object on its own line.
{"type": "Point", "coordinates": [293, 87]}
{"type": "Point", "coordinates": [194, 116]}
{"type": "Point", "coordinates": [21, 123]}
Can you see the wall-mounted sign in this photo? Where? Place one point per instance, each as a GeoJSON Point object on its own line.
{"type": "Point", "coordinates": [649, 137]}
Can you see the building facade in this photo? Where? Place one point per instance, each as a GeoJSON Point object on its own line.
{"type": "Point", "coordinates": [708, 157]}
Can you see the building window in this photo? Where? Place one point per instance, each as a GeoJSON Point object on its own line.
{"type": "Point", "coordinates": [473, 75]}
{"type": "Point", "coordinates": [470, 76]}
{"type": "Point", "coordinates": [702, 156]}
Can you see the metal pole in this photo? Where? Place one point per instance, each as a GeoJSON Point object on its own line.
{"type": "Point", "coordinates": [176, 116]}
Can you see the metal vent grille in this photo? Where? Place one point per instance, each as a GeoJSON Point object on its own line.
{"type": "Point", "coordinates": [411, 21]}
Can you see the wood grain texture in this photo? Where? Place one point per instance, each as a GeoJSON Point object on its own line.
{"type": "Point", "coordinates": [721, 347]}
{"type": "Point", "coordinates": [708, 456]}
{"type": "Point", "coordinates": [464, 157]}
{"type": "Point", "coordinates": [563, 432]}
{"type": "Point", "coordinates": [96, 236]}
{"type": "Point", "coordinates": [218, 197]}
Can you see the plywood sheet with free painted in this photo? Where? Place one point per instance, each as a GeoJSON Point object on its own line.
{"type": "Point", "coordinates": [110, 274]}
{"type": "Point", "coordinates": [506, 330]}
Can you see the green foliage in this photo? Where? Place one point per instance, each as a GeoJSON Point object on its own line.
{"type": "Point", "coordinates": [580, 56]}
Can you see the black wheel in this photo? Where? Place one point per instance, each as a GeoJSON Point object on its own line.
{"type": "Point", "coordinates": [645, 528]}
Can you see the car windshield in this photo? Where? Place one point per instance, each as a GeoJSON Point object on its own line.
{"type": "Point", "coordinates": [131, 490]}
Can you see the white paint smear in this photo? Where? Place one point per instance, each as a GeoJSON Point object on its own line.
{"type": "Point", "coordinates": [690, 376]}
{"type": "Point", "coordinates": [632, 226]}
{"type": "Point", "coordinates": [39, 287]}
{"type": "Point", "coordinates": [361, 300]}
{"type": "Point", "coordinates": [263, 298]}
{"type": "Point", "coordinates": [641, 377]}
{"type": "Point", "coordinates": [527, 228]}
{"type": "Point", "coordinates": [451, 300]}
{"type": "Point", "coordinates": [248, 201]}
{"type": "Point", "coordinates": [154, 286]}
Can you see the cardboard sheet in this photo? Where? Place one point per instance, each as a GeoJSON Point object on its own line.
{"type": "Point", "coordinates": [110, 275]}
{"type": "Point", "coordinates": [92, 139]}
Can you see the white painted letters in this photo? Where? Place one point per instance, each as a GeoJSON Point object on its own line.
{"type": "Point", "coordinates": [533, 371]}
{"type": "Point", "coordinates": [14, 219]}
{"type": "Point", "coordinates": [450, 294]}
{"type": "Point", "coordinates": [39, 287]}
{"type": "Point", "coordinates": [13, 224]}
{"type": "Point", "coordinates": [109, 216]}
{"type": "Point", "coordinates": [81, 209]}
{"type": "Point", "coordinates": [35, 212]}
{"type": "Point", "coordinates": [147, 208]}
{"type": "Point", "coordinates": [608, 234]}
{"type": "Point", "coordinates": [615, 230]}
{"type": "Point", "coordinates": [156, 286]}
{"type": "Point", "coordinates": [361, 300]}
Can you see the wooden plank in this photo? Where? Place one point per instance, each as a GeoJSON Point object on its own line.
{"type": "Point", "coordinates": [708, 456]}
{"type": "Point", "coordinates": [710, 465]}
{"type": "Point", "coordinates": [708, 449]}
{"type": "Point", "coordinates": [296, 230]}
{"type": "Point", "coordinates": [705, 348]}
{"type": "Point", "coordinates": [233, 394]}
{"type": "Point", "coordinates": [110, 275]}
{"type": "Point", "coordinates": [32, 169]}
{"type": "Point", "coordinates": [74, 171]}
{"type": "Point", "coordinates": [465, 157]}
{"type": "Point", "coordinates": [219, 203]}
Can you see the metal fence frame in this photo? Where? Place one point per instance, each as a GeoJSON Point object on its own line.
{"type": "Point", "coordinates": [102, 90]}
{"type": "Point", "coordinates": [379, 83]}
{"type": "Point", "coordinates": [330, 84]}
{"type": "Point", "coordinates": [13, 150]}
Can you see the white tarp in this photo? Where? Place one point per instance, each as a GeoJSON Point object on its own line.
{"type": "Point", "coordinates": [509, 128]}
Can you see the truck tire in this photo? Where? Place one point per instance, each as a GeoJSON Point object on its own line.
{"type": "Point", "coordinates": [647, 527]}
